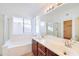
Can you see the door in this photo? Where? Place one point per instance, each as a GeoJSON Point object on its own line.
{"type": "Point", "coordinates": [68, 29]}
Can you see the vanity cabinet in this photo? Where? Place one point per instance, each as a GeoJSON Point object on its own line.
{"type": "Point", "coordinates": [50, 53]}
{"type": "Point", "coordinates": [34, 47]}
{"type": "Point", "coordinates": [40, 50]}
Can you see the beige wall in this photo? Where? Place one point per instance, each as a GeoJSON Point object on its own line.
{"type": "Point", "coordinates": [77, 29]}
{"type": "Point", "coordinates": [1, 33]}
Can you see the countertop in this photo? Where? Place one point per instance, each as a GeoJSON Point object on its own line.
{"type": "Point", "coordinates": [57, 45]}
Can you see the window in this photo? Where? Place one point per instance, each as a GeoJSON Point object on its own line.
{"type": "Point", "coordinates": [50, 27]}
{"type": "Point", "coordinates": [21, 25]}
{"type": "Point", "coordinates": [37, 26]}
{"type": "Point", "coordinates": [42, 27]}
{"type": "Point", "coordinates": [42, 23]}
{"type": "Point", "coordinates": [17, 25]}
{"type": "Point", "coordinates": [27, 26]}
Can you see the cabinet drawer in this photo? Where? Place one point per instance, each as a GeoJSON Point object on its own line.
{"type": "Point", "coordinates": [40, 46]}
{"type": "Point", "coordinates": [41, 53]}
{"type": "Point", "coordinates": [50, 53]}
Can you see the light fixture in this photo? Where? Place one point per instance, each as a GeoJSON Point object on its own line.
{"type": "Point", "coordinates": [53, 7]}
{"type": "Point", "coordinates": [50, 7]}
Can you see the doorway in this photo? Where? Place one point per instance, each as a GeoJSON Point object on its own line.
{"type": "Point", "coordinates": [68, 29]}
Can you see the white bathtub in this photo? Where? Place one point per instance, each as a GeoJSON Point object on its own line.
{"type": "Point", "coordinates": [17, 47]}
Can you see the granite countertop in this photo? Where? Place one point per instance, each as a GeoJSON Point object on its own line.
{"type": "Point", "coordinates": [57, 45]}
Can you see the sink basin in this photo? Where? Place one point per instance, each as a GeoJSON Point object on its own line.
{"type": "Point", "coordinates": [71, 52]}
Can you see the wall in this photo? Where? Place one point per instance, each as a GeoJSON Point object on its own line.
{"type": "Point", "coordinates": [6, 29]}
{"type": "Point", "coordinates": [1, 33]}
{"type": "Point", "coordinates": [77, 29]}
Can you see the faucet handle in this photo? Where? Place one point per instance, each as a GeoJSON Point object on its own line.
{"type": "Point", "coordinates": [68, 43]}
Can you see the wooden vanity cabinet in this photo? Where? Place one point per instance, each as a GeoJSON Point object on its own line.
{"type": "Point", "coordinates": [50, 53]}
{"type": "Point", "coordinates": [41, 53]}
{"type": "Point", "coordinates": [40, 50]}
{"type": "Point", "coordinates": [34, 47]}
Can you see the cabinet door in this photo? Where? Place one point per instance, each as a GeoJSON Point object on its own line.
{"type": "Point", "coordinates": [34, 47]}
{"type": "Point", "coordinates": [41, 53]}
{"type": "Point", "coordinates": [50, 53]}
{"type": "Point", "coordinates": [40, 46]}
{"type": "Point", "coordinates": [41, 50]}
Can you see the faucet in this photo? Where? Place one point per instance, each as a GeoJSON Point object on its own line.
{"type": "Point", "coordinates": [68, 43]}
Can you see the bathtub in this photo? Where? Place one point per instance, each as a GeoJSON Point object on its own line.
{"type": "Point", "coordinates": [17, 46]}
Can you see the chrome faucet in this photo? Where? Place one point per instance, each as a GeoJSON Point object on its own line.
{"type": "Point", "coordinates": [68, 43]}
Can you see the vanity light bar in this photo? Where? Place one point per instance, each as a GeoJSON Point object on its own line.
{"type": "Point", "coordinates": [53, 7]}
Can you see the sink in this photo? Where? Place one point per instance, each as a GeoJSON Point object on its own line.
{"type": "Point", "coordinates": [71, 52]}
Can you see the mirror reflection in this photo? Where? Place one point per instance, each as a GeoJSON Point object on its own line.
{"type": "Point", "coordinates": [63, 24]}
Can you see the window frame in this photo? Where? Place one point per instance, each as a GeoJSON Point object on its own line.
{"type": "Point", "coordinates": [23, 28]}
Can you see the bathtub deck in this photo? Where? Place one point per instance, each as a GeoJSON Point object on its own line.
{"type": "Point", "coordinates": [18, 46]}
{"type": "Point", "coordinates": [17, 51]}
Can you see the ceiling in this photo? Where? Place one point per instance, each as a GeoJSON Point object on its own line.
{"type": "Point", "coordinates": [61, 12]}
{"type": "Point", "coordinates": [22, 9]}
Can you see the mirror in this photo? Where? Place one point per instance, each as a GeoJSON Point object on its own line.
{"type": "Point", "coordinates": [54, 29]}
{"type": "Point", "coordinates": [50, 28]}
{"type": "Point", "coordinates": [55, 21]}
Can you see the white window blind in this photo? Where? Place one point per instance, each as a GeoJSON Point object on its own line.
{"type": "Point", "coordinates": [17, 25]}
{"type": "Point", "coordinates": [42, 27]}
{"type": "Point", "coordinates": [27, 26]}
{"type": "Point", "coordinates": [21, 26]}
{"type": "Point", "coordinates": [50, 27]}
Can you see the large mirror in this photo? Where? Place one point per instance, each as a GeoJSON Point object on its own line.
{"type": "Point", "coordinates": [63, 22]}
{"type": "Point", "coordinates": [54, 29]}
